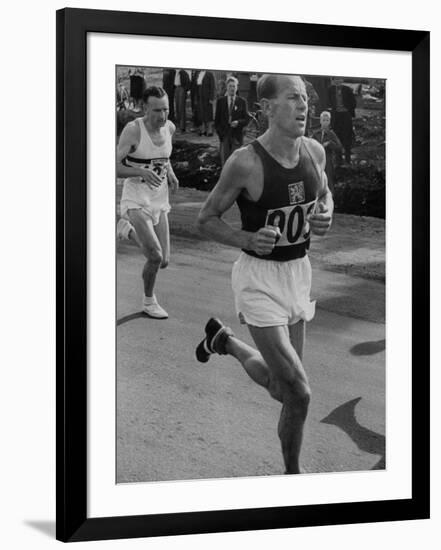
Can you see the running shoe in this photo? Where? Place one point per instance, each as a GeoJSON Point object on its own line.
{"type": "Point", "coordinates": [216, 335]}
{"type": "Point", "coordinates": [123, 229]}
{"type": "Point", "coordinates": [153, 309]}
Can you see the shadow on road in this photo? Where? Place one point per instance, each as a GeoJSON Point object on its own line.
{"type": "Point", "coordinates": [366, 440]}
{"type": "Point", "coordinates": [131, 317]}
{"type": "Point", "coordinates": [368, 348]}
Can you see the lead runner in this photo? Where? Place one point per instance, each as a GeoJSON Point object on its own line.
{"type": "Point", "coordinates": [281, 189]}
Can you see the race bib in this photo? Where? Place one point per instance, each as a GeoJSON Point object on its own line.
{"type": "Point", "coordinates": [159, 166]}
{"type": "Point", "coordinates": [293, 222]}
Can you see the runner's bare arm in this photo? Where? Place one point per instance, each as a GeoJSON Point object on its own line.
{"type": "Point", "coordinates": [171, 176]}
{"type": "Point", "coordinates": [321, 219]}
{"type": "Point", "coordinates": [325, 200]}
{"type": "Point", "coordinates": [172, 179]}
{"type": "Point", "coordinates": [127, 143]}
{"type": "Point", "coordinates": [238, 175]}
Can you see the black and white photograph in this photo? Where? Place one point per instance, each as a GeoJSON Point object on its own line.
{"type": "Point", "coordinates": [250, 273]}
{"type": "Point", "coordinates": [216, 275]}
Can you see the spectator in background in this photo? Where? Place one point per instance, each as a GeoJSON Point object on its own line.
{"type": "Point", "coordinates": [331, 144]}
{"type": "Point", "coordinates": [342, 102]}
{"type": "Point", "coordinates": [206, 93]}
{"type": "Point", "coordinates": [252, 94]}
{"type": "Point", "coordinates": [194, 100]}
{"type": "Point", "coordinates": [221, 87]}
{"type": "Point", "coordinates": [313, 101]}
{"type": "Point", "coordinates": [230, 120]}
{"type": "Point", "coordinates": [137, 88]}
{"type": "Point", "coordinates": [168, 83]}
{"type": "Point", "coordinates": [122, 97]}
{"type": "Point", "coordinates": [181, 87]}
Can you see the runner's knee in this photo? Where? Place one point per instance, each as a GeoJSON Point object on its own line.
{"type": "Point", "coordinates": [296, 394]}
{"type": "Point", "coordinates": [165, 259]}
{"type": "Point", "coordinates": [154, 255]}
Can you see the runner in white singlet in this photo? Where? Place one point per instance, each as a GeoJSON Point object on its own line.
{"type": "Point", "coordinates": [139, 194]}
{"type": "Point", "coordinates": [143, 159]}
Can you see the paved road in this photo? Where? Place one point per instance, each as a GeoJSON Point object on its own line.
{"type": "Point", "coordinates": [179, 419]}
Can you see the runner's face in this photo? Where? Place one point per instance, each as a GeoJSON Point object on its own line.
{"type": "Point", "coordinates": [290, 107]}
{"type": "Point", "coordinates": [156, 111]}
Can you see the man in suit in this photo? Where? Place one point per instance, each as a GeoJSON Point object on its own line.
{"type": "Point", "coordinates": [342, 102]}
{"type": "Point", "coordinates": [230, 120]}
{"type": "Point", "coordinates": [182, 85]}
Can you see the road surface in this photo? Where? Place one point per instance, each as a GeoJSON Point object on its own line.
{"type": "Point", "coordinates": [180, 419]}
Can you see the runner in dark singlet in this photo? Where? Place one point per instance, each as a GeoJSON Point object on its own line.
{"type": "Point", "coordinates": [282, 193]}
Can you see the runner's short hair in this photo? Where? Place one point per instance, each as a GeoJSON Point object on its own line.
{"type": "Point", "coordinates": [267, 86]}
{"type": "Point", "coordinates": [232, 79]}
{"type": "Point", "coordinates": [153, 91]}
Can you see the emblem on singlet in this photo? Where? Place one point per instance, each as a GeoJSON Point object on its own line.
{"type": "Point", "coordinates": [296, 192]}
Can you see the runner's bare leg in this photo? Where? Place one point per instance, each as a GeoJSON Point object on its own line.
{"type": "Point", "coordinates": [150, 246]}
{"type": "Point", "coordinates": [277, 367]}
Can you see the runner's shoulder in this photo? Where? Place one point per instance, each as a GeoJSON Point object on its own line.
{"type": "Point", "coordinates": [131, 131]}
{"type": "Point", "coordinates": [316, 149]}
{"type": "Point", "coordinates": [244, 162]}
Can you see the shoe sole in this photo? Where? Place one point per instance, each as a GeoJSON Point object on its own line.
{"type": "Point", "coordinates": [153, 316]}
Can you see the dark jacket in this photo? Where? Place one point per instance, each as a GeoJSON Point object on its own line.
{"type": "Point", "coordinates": [327, 136]}
{"type": "Point", "coordinates": [185, 79]}
{"type": "Point", "coordinates": [239, 112]}
{"type": "Point", "coordinates": [208, 87]}
{"type": "Point", "coordinates": [348, 97]}
{"type": "Point", "coordinates": [168, 80]}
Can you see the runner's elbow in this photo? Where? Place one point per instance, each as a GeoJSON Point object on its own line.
{"type": "Point", "coordinates": [119, 170]}
{"type": "Point", "coordinates": [203, 221]}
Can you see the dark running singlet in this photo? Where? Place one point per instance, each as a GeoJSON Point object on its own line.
{"type": "Point", "coordinates": [289, 196]}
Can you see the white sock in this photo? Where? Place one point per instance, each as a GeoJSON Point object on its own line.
{"type": "Point", "coordinates": [149, 300]}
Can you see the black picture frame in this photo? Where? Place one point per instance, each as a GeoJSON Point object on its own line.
{"type": "Point", "coordinates": [73, 25]}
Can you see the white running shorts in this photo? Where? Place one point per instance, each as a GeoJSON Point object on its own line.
{"type": "Point", "coordinates": [139, 196]}
{"type": "Point", "coordinates": [269, 293]}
